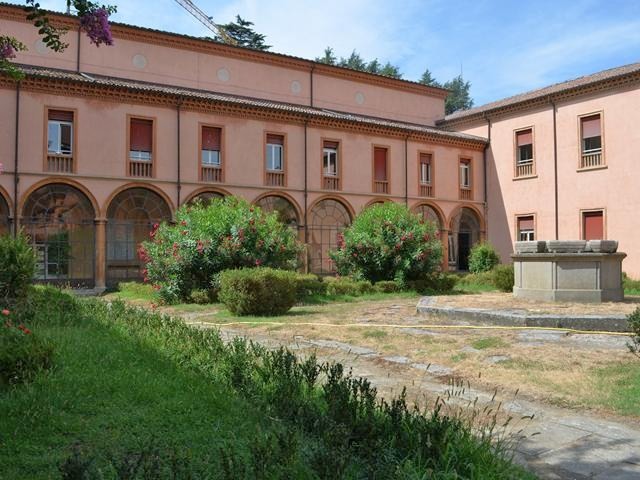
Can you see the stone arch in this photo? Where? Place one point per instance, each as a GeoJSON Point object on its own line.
{"type": "Point", "coordinates": [59, 220]}
{"type": "Point", "coordinates": [328, 217]}
{"type": "Point", "coordinates": [206, 194]}
{"type": "Point", "coordinates": [466, 228]}
{"type": "Point", "coordinates": [131, 214]}
{"type": "Point", "coordinates": [5, 213]}
{"type": "Point", "coordinates": [140, 185]}
{"type": "Point", "coordinates": [430, 211]}
{"type": "Point", "coordinates": [376, 200]}
{"type": "Point", "coordinates": [286, 207]}
{"type": "Point", "coordinates": [61, 181]}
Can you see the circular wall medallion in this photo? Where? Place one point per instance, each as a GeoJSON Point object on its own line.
{"type": "Point", "coordinates": [296, 87]}
{"type": "Point", "coordinates": [40, 47]}
{"type": "Point", "coordinates": [223, 75]}
{"type": "Point", "coordinates": [359, 98]}
{"type": "Point", "coordinates": [139, 61]}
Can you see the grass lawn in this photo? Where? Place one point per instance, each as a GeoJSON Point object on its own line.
{"type": "Point", "coordinates": [138, 395]}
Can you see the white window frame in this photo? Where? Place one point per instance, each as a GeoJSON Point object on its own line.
{"type": "Point", "coordinates": [57, 147]}
{"type": "Point", "coordinates": [329, 154]}
{"type": "Point", "coordinates": [210, 158]}
{"type": "Point", "coordinates": [465, 175]}
{"type": "Point", "coordinates": [527, 235]}
{"type": "Point", "coordinates": [425, 173]}
{"type": "Point", "coordinates": [274, 149]}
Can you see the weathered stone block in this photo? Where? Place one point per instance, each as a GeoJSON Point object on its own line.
{"type": "Point", "coordinates": [602, 246]}
{"type": "Point", "coordinates": [566, 246]}
{"type": "Point", "coordinates": [531, 247]}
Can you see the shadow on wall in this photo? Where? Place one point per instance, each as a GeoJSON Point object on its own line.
{"type": "Point", "coordinates": [498, 232]}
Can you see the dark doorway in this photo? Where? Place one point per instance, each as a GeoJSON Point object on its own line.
{"type": "Point", "coordinates": [464, 247]}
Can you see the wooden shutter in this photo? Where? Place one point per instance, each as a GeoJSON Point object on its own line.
{"type": "Point", "coordinates": [141, 138]}
{"type": "Point", "coordinates": [211, 138]}
{"type": "Point", "coordinates": [61, 115]}
{"type": "Point", "coordinates": [591, 126]}
{"type": "Point", "coordinates": [524, 138]}
{"type": "Point", "coordinates": [333, 145]}
{"type": "Point", "coordinates": [380, 164]}
{"type": "Point", "coordinates": [275, 139]}
{"type": "Point", "coordinates": [525, 223]}
{"type": "Point", "coordinates": [593, 226]}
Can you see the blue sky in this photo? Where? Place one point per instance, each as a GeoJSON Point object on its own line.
{"type": "Point", "coordinates": [503, 47]}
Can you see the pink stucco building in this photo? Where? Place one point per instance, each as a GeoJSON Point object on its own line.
{"type": "Point", "coordinates": [562, 162]}
{"type": "Point", "coordinates": [99, 143]}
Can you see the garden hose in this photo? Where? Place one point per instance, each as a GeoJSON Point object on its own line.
{"type": "Point", "coordinates": [424, 326]}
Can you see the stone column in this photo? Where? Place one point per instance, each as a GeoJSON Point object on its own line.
{"type": "Point", "coordinates": [101, 254]}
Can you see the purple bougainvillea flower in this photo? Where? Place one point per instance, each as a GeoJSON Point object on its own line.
{"type": "Point", "coordinates": [6, 50]}
{"type": "Point", "coordinates": [96, 24]}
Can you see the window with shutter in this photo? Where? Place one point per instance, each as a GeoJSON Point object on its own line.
{"type": "Point", "coordinates": [140, 140]}
{"type": "Point", "coordinates": [526, 232]}
{"type": "Point", "coordinates": [593, 225]}
{"type": "Point", "coordinates": [211, 146]}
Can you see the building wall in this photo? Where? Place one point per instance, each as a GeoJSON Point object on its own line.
{"type": "Point", "coordinates": [612, 187]}
{"type": "Point", "coordinates": [154, 57]}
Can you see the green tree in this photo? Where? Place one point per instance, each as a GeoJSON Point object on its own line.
{"type": "Point", "coordinates": [390, 70]}
{"type": "Point", "coordinates": [427, 78]}
{"type": "Point", "coordinates": [353, 61]}
{"type": "Point", "coordinates": [243, 34]}
{"type": "Point", "coordinates": [329, 57]}
{"type": "Point", "coordinates": [459, 97]}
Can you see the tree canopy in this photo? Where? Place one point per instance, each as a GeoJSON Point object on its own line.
{"type": "Point", "coordinates": [242, 32]}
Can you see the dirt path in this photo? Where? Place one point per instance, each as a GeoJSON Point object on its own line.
{"type": "Point", "coordinates": [557, 443]}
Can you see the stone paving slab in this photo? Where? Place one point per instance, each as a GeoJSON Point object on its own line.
{"type": "Point", "coordinates": [519, 318]}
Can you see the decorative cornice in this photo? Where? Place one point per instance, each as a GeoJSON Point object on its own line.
{"type": "Point", "coordinates": [119, 94]}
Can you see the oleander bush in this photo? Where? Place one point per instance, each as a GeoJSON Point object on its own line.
{"type": "Point", "coordinates": [483, 257]}
{"type": "Point", "coordinates": [503, 277]}
{"type": "Point", "coordinates": [388, 242]}
{"type": "Point", "coordinates": [226, 234]}
{"type": "Point", "coordinates": [17, 267]}
{"type": "Point", "coordinates": [22, 353]}
{"type": "Point", "coordinates": [258, 291]}
{"type": "Point", "coordinates": [634, 323]}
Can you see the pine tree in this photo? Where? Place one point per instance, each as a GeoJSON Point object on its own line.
{"type": "Point", "coordinates": [428, 79]}
{"type": "Point", "coordinates": [459, 97]}
{"type": "Point", "coordinates": [329, 57]}
{"type": "Point", "coordinates": [243, 34]}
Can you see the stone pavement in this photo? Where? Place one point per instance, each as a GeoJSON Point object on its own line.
{"type": "Point", "coordinates": [555, 443]}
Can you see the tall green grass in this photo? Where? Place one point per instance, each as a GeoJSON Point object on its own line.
{"type": "Point", "coordinates": [138, 395]}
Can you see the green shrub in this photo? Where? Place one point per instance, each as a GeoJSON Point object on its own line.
{"type": "Point", "coordinates": [46, 305]}
{"type": "Point", "coordinates": [634, 323]}
{"type": "Point", "coordinates": [17, 267]}
{"type": "Point", "coordinates": [348, 286]}
{"type": "Point", "coordinates": [309, 285]}
{"type": "Point", "coordinates": [388, 242]}
{"type": "Point", "coordinates": [200, 296]}
{"type": "Point", "coordinates": [503, 277]}
{"type": "Point", "coordinates": [258, 291]}
{"type": "Point", "coordinates": [387, 286]}
{"type": "Point", "coordinates": [226, 234]}
{"type": "Point", "coordinates": [480, 278]}
{"type": "Point", "coordinates": [435, 283]}
{"type": "Point", "coordinates": [22, 354]}
{"type": "Point", "coordinates": [629, 284]}
{"type": "Point", "coordinates": [483, 257]}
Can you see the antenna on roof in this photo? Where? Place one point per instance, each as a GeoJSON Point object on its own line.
{"type": "Point", "coordinates": [207, 21]}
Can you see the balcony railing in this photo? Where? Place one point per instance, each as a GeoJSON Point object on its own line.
{"type": "Point", "coordinates": [591, 158]}
{"type": "Point", "coordinates": [380, 186]}
{"type": "Point", "coordinates": [465, 193]}
{"type": "Point", "coordinates": [60, 163]}
{"type": "Point", "coordinates": [275, 178]}
{"type": "Point", "coordinates": [140, 169]}
{"type": "Point", "coordinates": [331, 182]}
{"type": "Point", "coordinates": [210, 174]}
{"type": "Point", "coordinates": [524, 169]}
{"type": "Point", "coordinates": [426, 190]}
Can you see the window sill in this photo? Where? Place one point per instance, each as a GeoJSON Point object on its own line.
{"type": "Point", "coordinates": [525, 177]}
{"type": "Point", "coordinates": [589, 169]}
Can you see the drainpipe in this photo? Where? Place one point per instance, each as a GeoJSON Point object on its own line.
{"type": "Point", "coordinates": [306, 191]}
{"type": "Point", "coordinates": [16, 178]}
{"type": "Point", "coordinates": [484, 179]}
{"type": "Point", "coordinates": [406, 171]}
{"type": "Point", "coordinates": [311, 85]}
{"type": "Point", "coordinates": [555, 166]}
{"type": "Point", "coordinates": [179, 183]}
{"type": "Point", "coordinates": [78, 52]}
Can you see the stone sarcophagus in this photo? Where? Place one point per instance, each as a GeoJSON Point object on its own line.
{"type": "Point", "coordinates": [569, 271]}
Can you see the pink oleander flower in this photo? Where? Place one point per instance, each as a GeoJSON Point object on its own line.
{"type": "Point", "coordinates": [96, 24]}
{"type": "Point", "coordinates": [5, 312]}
